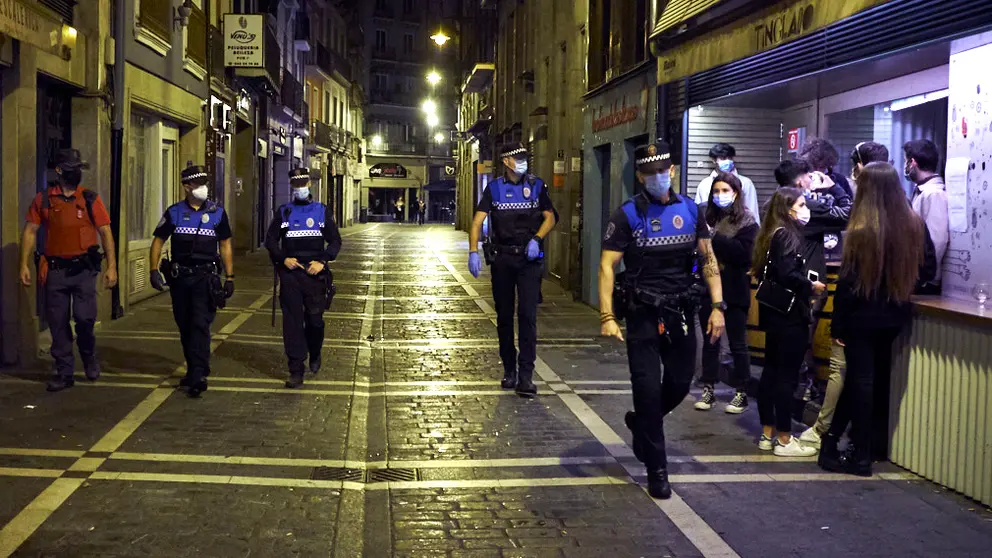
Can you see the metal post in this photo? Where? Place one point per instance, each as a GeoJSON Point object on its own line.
{"type": "Point", "coordinates": [117, 145]}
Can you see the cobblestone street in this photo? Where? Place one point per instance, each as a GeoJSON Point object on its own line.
{"type": "Point", "coordinates": [405, 445]}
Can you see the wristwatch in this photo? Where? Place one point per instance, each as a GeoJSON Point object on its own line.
{"type": "Point", "coordinates": [721, 306]}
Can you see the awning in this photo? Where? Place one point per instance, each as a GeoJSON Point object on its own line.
{"type": "Point", "coordinates": [480, 79]}
{"type": "Point", "coordinates": [678, 12]}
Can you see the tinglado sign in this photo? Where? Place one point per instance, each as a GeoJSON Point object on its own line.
{"type": "Point", "coordinates": [243, 40]}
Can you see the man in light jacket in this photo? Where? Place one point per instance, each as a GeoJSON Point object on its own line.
{"type": "Point", "coordinates": [929, 200]}
{"type": "Point", "coordinates": [722, 155]}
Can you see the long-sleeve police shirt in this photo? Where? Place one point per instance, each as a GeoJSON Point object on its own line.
{"type": "Point", "coordinates": [308, 248]}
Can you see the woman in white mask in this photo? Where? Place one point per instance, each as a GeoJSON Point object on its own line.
{"type": "Point", "coordinates": [784, 314]}
{"type": "Point", "coordinates": [733, 230]}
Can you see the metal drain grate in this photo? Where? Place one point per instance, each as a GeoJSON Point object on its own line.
{"type": "Point", "coordinates": [337, 474]}
{"type": "Point", "coordinates": [393, 475]}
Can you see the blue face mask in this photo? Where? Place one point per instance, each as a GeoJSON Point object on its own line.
{"type": "Point", "coordinates": [301, 194]}
{"type": "Point", "coordinates": [658, 184]}
{"type": "Point", "coordinates": [724, 199]}
{"type": "Point", "coordinates": [725, 165]}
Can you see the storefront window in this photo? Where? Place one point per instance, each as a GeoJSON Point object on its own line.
{"type": "Point", "coordinates": [137, 158]}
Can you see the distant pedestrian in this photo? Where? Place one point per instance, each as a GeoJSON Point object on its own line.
{"type": "Point", "coordinates": [929, 201]}
{"type": "Point", "coordinates": [199, 229]}
{"type": "Point", "coordinates": [722, 155]}
{"type": "Point", "coordinates": [76, 223]}
{"type": "Point", "coordinates": [421, 209]}
{"type": "Point", "coordinates": [302, 239]}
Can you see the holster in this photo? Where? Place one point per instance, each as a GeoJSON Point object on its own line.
{"type": "Point", "coordinates": [169, 271]}
{"type": "Point", "coordinates": [488, 251]}
{"type": "Point", "coordinates": [218, 298]}
{"type": "Point", "coordinates": [331, 289]}
{"type": "Point", "coordinates": [621, 297]}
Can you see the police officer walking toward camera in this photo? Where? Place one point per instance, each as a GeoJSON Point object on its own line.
{"type": "Point", "coordinates": [198, 228]}
{"type": "Point", "coordinates": [521, 216]}
{"type": "Point", "coordinates": [657, 233]}
{"type": "Point", "coordinates": [73, 218]}
{"type": "Point", "coordinates": [301, 240]}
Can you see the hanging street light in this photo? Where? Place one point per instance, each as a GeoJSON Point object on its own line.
{"type": "Point", "coordinates": [439, 137]}
{"type": "Point", "coordinates": [434, 78]}
{"type": "Point", "coordinates": [376, 140]}
{"type": "Point", "coordinates": [440, 38]}
{"type": "Point", "coordinates": [432, 120]}
{"type": "Point", "coordinates": [429, 107]}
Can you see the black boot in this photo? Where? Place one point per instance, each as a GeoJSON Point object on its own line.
{"type": "Point", "coordinates": [92, 367]}
{"type": "Point", "coordinates": [295, 381]}
{"type": "Point", "coordinates": [829, 458]}
{"type": "Point", "coordinates": [630, 419]}
{"type": "Point", "coordinates": [509, 379]}
{"type": "Point", "coordinates": [196, 387]}
{"type": "Point", "coordinates": [315, 364]}
{"type": "Point", "coordinates": [658, 486]}
{"type": "Point", "coordinates": [526, 388]}
{"type": "Point", "coordinates": [59, 383]}
{"type": "Point", "coordinates": [857, 461]}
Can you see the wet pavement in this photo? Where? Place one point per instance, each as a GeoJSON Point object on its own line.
{"type": "Point", "coordinates": [405, 445]}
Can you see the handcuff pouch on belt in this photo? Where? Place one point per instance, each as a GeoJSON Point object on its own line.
{"type": "Point", "coordinates": [489, 251]}
{"type": "Point", "coordinates": [331, 289]}
{"type": "Point", "coordinates": [621, 296]}
{"type": "Point", "coordinates": [218, 297]}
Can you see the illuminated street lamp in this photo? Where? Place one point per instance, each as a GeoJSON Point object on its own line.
{"type": "Point", "coordinates": [434, 78]}
{"type": "Point", "coordinates": [439, 137]}
{"type": "Point", "coordinates": [432, 120]}
{"type": "Point", "coordinates": [429, 107]}
{"type": "Point", "coordinates": [376, 140]}
{"type": "Point", "coordinates": [440, 38]}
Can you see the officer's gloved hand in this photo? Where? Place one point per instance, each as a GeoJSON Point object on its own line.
{"type": "Point", "coordinates": [474, 264]}
{"type": "Point", "coordinates": [533, 249]}
{"type": "Point", "coordinates": [228, 288]}
{"type": "Point", "coordinates": [158, 282]}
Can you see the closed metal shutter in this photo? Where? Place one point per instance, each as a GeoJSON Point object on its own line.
{"type": "Point", "coordinates": [883, 29]}
{"type": "Point", "coordinates": [61, 7]}
{"type": "Point", "coordinates": [847, 129]}
{"type": "Point", "coordinates": [756, 135]}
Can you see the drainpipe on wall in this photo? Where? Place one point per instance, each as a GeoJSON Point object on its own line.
{"type": "Point", "coordinates": [117, 147]}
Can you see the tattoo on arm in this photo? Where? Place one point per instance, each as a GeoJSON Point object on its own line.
{"type": "Point", "coordinates": [710, 267]}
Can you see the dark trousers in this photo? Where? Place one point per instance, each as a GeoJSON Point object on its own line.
{"type": "Point", "coordinates": [864, 401]}
{"type": "Point", "coordinates": [785, 348]}
{"type": "Point", "coordinates": [736, 320]}
{"type": "Point", "coordinates": [302, 298]}
{"type": "Point", "coordinates": [656, 396]}
{"type": "Point", "coordinates": [514, 277]}
{"type": "Point", "coordinates": [194, 311]}
{"type": "Point", "coordinates": [420, 217]}
{"type": "Point", "coordinates": [74, 291]}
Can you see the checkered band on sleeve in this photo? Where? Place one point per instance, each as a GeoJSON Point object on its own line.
{"type": "Point", "coordinates": [193, 231]}
{"type": "Point", "coordinates": [653, 158]}
{"type": "Point", "coordinates": [513, 152]}
{"type": "Point", "coordinates": [302, 233]}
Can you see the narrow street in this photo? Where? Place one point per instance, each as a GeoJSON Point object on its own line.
{"type": "Point", "coordinates": [405, 445]}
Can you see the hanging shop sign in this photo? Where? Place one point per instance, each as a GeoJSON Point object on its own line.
{"type": "Point", "coordinates": [770, 28]}
{"type": "Point", "coordinates": [387, 170]}
{"type": "Point", "coordinates": [22, 22]}
{"type": "Point", "coordinates": [449, 170]}
{"type": "Point", "coordinates": [244, 40]}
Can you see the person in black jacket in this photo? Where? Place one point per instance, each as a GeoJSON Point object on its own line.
{"type": "Point", "coordinates": [733, 229]}
{"type": "Point", "coordinates": [885, 255]}
{"type": "Point", "coordinates": [778, 259]}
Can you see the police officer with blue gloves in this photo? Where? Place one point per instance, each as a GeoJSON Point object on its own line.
{"type": "Point", "coordinates": [199, 228]}
{"type": "Point", "coordinates": [301, 240]}
{"type": "Point", "coordinates": [657, 233]}
{"type": "Point", "coordinates": [520, 217]}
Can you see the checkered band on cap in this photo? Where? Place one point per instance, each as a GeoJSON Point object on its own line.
{"type": "Point", "coordinates": [512, 152]}
{"type": "Point", "coordinates": [195, 176]}
{"type": "Point", "coordinates": [653, 158]}
{"type": "Point", "coordinates": [299, 175]}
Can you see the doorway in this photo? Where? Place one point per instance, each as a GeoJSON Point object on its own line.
{"type": "Point", "coordinates": [604, 163]}
{"type": "Point", "coordinates": [631, 187]}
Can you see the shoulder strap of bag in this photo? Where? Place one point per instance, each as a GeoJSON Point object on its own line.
{"type": "Point", "coordinates": [768, 254]}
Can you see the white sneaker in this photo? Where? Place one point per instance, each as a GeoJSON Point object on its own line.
{"type": "Point", "coordinates": [794, 449]}
{"type": "Point", "coordinates": [810, 438]}
{"type": "Point", "coordinates": [765, 443]}
{"type": "Point", "coordinates": [706, 402]}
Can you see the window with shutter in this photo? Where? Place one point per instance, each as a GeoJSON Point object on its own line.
{"type": "Point", "coordinates": [154, 29]}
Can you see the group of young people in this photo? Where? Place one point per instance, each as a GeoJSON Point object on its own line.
{"type": "Point", "coordinates": [889, 247]}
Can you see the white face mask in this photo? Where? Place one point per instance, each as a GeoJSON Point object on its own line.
{"type": "Point", "coordinates": [301, 194]}
{"type": "Point", "coordinates": [200, 193]}
{"type": "Point", "coordinates": [520, 167]}
{"type": "Point", "coordinates": [802, 215]}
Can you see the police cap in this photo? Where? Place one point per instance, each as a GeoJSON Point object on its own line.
{"type": "Point", "coordinates": [299, 177]}
{"type": "Point", "coordinates": [653, 157]}
{"type": "Point", "coordinates": [514, 149]}
{"type": "Point", "coordinates": [194, 174]}
{"type": "Point", "coordinates": [69, 159]}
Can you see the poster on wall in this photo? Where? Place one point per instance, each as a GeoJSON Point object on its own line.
{"type": "Point", "coordinates": [968, 260]}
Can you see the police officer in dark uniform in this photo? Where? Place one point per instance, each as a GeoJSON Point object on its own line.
{"type": "Point", "coordinates": [657, 233]}
{"type": "Point", "coordinates": [521, 216]}
{"type": "Point", "coordinates": [74, 217]}
{"type": "Point", "coordinates": [199, 228]}
{"type": "Point", "coordinates": [301, 240]}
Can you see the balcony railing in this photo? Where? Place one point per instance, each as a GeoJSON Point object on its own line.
{"type": "Point", "coordinates": [156, 17]}
{"type": "Point", "coordinates": [291, 94]}
{"type": "Point", "coordinates": [320, 135]}
{"type": "Point", "coordinates": [328, 61]}
{"type": "Point", "coordinates": [196, 37]}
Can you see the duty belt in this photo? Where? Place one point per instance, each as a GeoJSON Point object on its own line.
{"type": "Point", "coordinates": [511, 250]}
{"type": "Point", "coordinates": [75, 263]}
{"type": "Point", "coordinates": [177, 270]}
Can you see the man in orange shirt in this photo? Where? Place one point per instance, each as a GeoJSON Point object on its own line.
{"type": "Point", "coordinates": [74, 218]}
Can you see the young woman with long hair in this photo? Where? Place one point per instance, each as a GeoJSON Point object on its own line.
{"type": "Point", "coordinates": [733, 229]}
{"type": "Point", "coordinates": [882, 262]}
{"type": "Point", "coordinates": [778, 258]}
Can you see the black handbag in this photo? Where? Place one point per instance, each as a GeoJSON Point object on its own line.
{"type": "Point", "coordinates": [772, 294]}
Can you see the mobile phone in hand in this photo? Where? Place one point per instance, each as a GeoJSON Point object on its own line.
{"type": "Point", "coordinates": [813, 276]}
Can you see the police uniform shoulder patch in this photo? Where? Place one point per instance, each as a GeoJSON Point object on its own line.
{"type": "Point", "coordinates": [205, 218]}
{"type": "Point", "coordinates": [610, 229]}
{"type": "Point", "coordinates": [309, 221]}
{"type": "Point", "coordinates": [677, 222]}
{"type": "Point", "coordinates": [526, 192]}
{"type": "Point", "coordinates": [161, 223]}
{"type": "Point", "coordinates": [655, 225]}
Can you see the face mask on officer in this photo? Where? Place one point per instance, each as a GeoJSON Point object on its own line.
{"type": "Point", "coordinates": [519, 166]}
{"type": "Point", "coordinates": [658, 184]}
{"type": "Point", "coordinates": [200, 193]}
{"type": "Point", "coordinates": [301, 193]}
{"type": "Point", "coordinates": [725, 165]}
